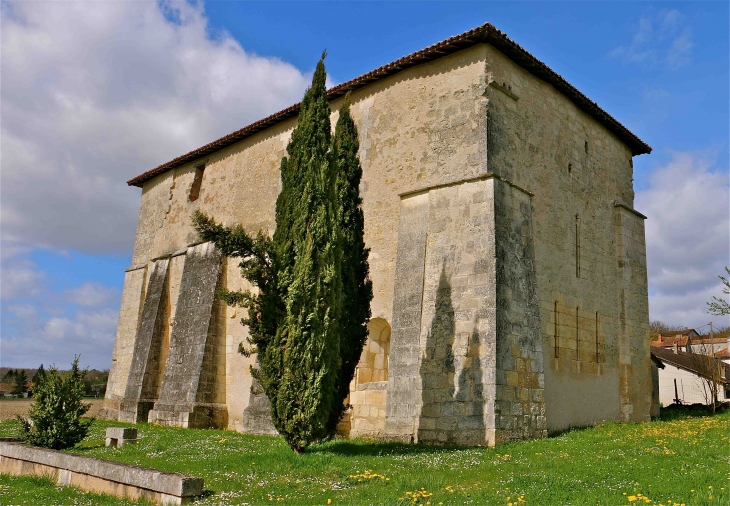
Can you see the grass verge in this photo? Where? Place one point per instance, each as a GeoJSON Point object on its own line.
{"type": "Point", "coordinates": [682, 459]}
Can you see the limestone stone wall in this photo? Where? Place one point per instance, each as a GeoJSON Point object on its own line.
{"type": "Point", "coordinates": [129, 312]}
{"type": "Point", "coordinates": [634, 348]}
{"type": "Point", "coordinates": [422, 127]}
{"type": "Point", "coordinates": [193, 381]}
{"type": "Point", "coordinates": [466, 362]}
{"type": "Point", "coordinates": [457, 338]}
{"type": "Point", "coordinates": [519, 411]}
{"type": "Point", "coordinates": [143, 382]}
{"type": "Point", "coordinates": [577, 171]}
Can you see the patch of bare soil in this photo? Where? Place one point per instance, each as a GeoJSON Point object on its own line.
{"type": "Point", "coordinates": [10, 408]}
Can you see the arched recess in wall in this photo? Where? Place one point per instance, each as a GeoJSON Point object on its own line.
{"type": "Point", "coordinates": [373, 365]}
{"type": "Point", "coordinates": [368, 389]}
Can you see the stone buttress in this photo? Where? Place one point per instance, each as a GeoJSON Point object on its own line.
{"type": "Point", "coordinates": [466, 355]}
{"type": "Point", "coordinates": [176, 375]}
{"type": "Point", "coordinates": [143, 381]}
{"type": "Point", "coordinates": [190, 393]}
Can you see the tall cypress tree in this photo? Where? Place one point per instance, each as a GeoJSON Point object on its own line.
{"type": "Point", "coordinates": [294, 318]}
{"type": "Point", "coordinates": [307, 247]}
{"type": "Point", "coordinates": [357, 289]}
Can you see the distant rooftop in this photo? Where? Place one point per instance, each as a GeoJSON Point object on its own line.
{"type": "Point", "coordinates": [687, 362]}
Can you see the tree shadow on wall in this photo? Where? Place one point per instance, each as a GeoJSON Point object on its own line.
{"type": "Point", "coordinates": [452, 412]}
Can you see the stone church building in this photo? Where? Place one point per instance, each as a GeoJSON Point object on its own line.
{"type": "Point", "coordinates": [507, 260]}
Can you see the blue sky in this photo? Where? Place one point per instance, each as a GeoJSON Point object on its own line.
{"type": "Point", "coordinates": [94, 94]}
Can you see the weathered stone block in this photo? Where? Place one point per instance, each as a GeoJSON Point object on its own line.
{"type": "Point", "coordinates": [119, 436]}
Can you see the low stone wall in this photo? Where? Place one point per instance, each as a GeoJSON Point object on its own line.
{"type": "Point", "coordinates": [97, 475]}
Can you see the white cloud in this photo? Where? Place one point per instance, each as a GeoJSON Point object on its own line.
{"type": "Point", "coordinates": [686, 309]}
{"type": "Point", "coordinates": [23, 311]}
{"type": "Point", "coordinates": [20, 279]}
{"type": "Point", "coordinates": [40, 324]}
{"type": "Point", "coordinates": [88, 333]}
{"type": "Point", "coordinates": [93, 294]}
{"type": "Point", "coordinates": [661, 38]}
{"type": "Point", "coordinates": [96, 93]}
{"type": "Point", "coordinates": [687, 236]}
{"type": "Point", "coordinates": [680, 52]}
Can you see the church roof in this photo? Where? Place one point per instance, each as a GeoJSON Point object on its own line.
{"type": "Point", "coordinates": [483, 34]}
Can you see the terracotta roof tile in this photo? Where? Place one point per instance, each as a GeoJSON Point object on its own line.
{"type": "Point", "coordinates": [482, 34]}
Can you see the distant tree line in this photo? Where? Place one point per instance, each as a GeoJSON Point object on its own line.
{"type": "Point", "coordinates": [17, 382]}
{"type": "Point", "coordinates": [657, 327]}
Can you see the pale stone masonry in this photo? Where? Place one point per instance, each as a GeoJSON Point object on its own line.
{"type": "Point", "coordinates": [508, 263]}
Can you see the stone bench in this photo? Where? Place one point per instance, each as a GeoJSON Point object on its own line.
{"type": "Point", "coordinates": [120, 436]}
{"type": "Point", "coordinates": [98, 475]}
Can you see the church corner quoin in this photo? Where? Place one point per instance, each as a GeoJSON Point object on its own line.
{"type": "Point", "coordinates": [508, 265]}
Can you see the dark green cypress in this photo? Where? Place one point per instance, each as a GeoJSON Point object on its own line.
{"type": "Point", "coordinates": [357, 289]}
{"type": "Point", "coordinates": [294, 318]}
{"type": "Point", "coordinates": [307, 246]}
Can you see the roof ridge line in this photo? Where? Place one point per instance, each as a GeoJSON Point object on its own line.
{"type": "Point", "coordinates": [485, 33]}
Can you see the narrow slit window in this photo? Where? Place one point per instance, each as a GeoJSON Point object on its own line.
{"type": "Point", "coordinates": [597, 356]}
{"type": "Point", "coordinates": [586, 146]}
{"type": "Point", "coordinates": [197, 182]}
{"type": "Point", "coordinates": [555, 332]}
{"type": "Point", "coordinates": [577, 334]}
{"type": "Point", "coordinates": [577, 246]}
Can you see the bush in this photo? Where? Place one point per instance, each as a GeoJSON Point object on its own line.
{"type": "Point", "coordinates": [54, 419]}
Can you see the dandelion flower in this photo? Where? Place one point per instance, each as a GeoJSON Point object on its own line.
{"type": "Point", "coordinates": [329, 501]}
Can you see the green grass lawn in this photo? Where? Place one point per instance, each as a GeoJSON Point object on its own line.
{"type": "Point", "coordinates": [680, 460]}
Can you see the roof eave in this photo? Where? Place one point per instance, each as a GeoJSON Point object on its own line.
{"type": "Point", "coordinates": [486, 33]}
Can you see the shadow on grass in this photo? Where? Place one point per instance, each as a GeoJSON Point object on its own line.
{"type": "Point", "coordinates": [361, 448]}
{"type": "Point", "coordinates": [204, 495]}
{"type": "Point", "coordinates": [567, 430]}
{"type": "Point", "coordinates": [679, 411]}
{"type": "Point", "coordinates": [84, 448]}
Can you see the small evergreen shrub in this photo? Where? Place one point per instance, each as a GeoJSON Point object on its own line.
{"type": "Point", "coordinates": [54, 419]}
{"type": "Point", "coordinates": [20, 384]}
